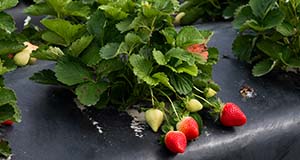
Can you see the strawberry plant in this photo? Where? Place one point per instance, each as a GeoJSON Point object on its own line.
{"type": "Point", "coordinates": [207, 10]}
{"type": "Point", "coordinates": [121, 53]}
{"type": "Point", "coordinates": [11, 46]}
{"type": "Point", "coordinates": [269, 35]}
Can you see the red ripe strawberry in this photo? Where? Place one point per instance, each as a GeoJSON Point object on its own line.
{"type": "Point", "coordinates": [8, 122]}
{"type": "Point", "coordinates": [175, 141]}
{"type": "Point", "coordinates": [232, 115]}
{"type": "Point", "coordinates": [198, 49]}
{"type": "Point", "coordinates": [189, 127]}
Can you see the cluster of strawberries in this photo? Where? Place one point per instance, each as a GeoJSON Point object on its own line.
{"type": "Point", "coordinates": [187, 129]}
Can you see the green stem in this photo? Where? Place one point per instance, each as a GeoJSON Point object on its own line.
{"type": "Point", "coordinates": [174, 109]}
{"type": "Point", "coordinates": [197, 89]}
{"type": "Point", "coordinates": [151, 92]}
{"type": "Point", "coordinates": [127, 80]}
{"type": "Point", "coordinates": [204, 100]}
{"type": "Point", "coordinates": [166, 118]}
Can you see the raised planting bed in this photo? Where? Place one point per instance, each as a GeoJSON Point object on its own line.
{"type": "Point", "coordinates": [53, 127]}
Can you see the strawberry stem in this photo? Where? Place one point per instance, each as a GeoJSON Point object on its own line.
{"type": "Point", "coordinates": [203, 99]}
{"type": "Point", "coordinates": [197, 89]}
{"type": "Point", "coordinates": [173, 107]}
{"type": "Point", "coordinates": [166, 118]}
{"type": "Point", "coordinates": [151, 92]}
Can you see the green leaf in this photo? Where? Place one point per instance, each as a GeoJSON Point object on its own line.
{"type": "Point", "coordinates": [109, 51]}
{"type": "Point", "coordinates": [17, 113]}
{"type": "Point", "coordinates": [1, 81]}
{"type": "Point", "coordinates": [261, 7]}
{"type": "Point", "coordinates": [158, 7]}
{"type": "Point", "coordinates": [7, 23]}
{"type": "Point", "coordinates": [159, 57]}
{"type": "Point", "coordinates": [112, 32]}
{"type": "Point", "coordinates": [91, 55]}
{"type": "Point", "coordinates": [103, 101]}
{"type": "Point", "coordinates": [242, 47]}
{"type": "Point", "coordinates": [8, 46]}
{"type": "Point", "coordinates": [7, 66]}
{"type": "Point", "coordinates": [79, 45]}
{"type": "Point", "coordinates": [140, 22]}
{"type": "Point", "coordinates": [285, 29]}
{"type": "Point", "coordinates": [253, 24]}
{"type": "Point", "coordinates": [51, 53]}
{"type": "Point", "coordinates": [213, 55]}
{"type": "Point", "coordinates": [124, 25]}
{"type": "Point", "coordinates": [46, 76]}
{"type": "Point", "coordinates": [105, 67]}
{"type": "Point", "coordinates": [58, 5]}
{"type": "Point", "coordinates": [229, 11]}
{"type": "Point", "coordinates": [263, 67]}
{"type": "Point", "coordinates": [7, 112]}
{"type": "Point", "coordinates": [289, 59]}
{"type": "Point", "coordinates": [5, 149]}
{"type": "Point", "coordinates": [270, 48]}
{"type": "Point", "coordinates": [193, 13]}
{"type": "Point", "coordinates": [75, 8]}
{"type": "Point", "coordinates": [7, 96]}
{"type": "Point", "coordinates": [188, 36]}
{"type": "Point", "coordinates": [273, 19]}
{"type": "Point", "coordinates": [295, 63]}
{"type": "Point", "coordinates": [96, 26]}
{"type": "Point", "coordinates": [54, 38]}
{"type": "Point", "coordinates": [39, 10]}
{"type": "Point", "coordinates": [189, 69]}
{"type": "Point", "coordinates": [131, 42]}
{"type": "Point", "coordinates": [182, 83]}
{"type": "Point", "coordinates": [63, 28]}
{"type": "Point", "coordinates": [6, 4]}
{"type": "Point", "coordinates": [3, 68]}
{"type": "Point", "coordinates": [89, 93]}
{"type": "Point", "coordinates": [142, 68]}
{"type": "Point", "coordinates": [166, 128]}
{"type": "Point", "coordinates": [114, 12]}
{"type": "Point", "coordinates": [149, 11]}
{"type": "Point", "coordinates": [70, 71]}
{"type": "Point", "coordinates": [242, 15]}
{"type": "Point", "coordinates": [180, 54]}
{"type": "Point", "coordinates": [198, 119]}
{"type": "Point", "coordinates": [207, 34]}
{"type": "Point", "coordinates": [163, 79]}
{"type": "Point", "coordinates": [39, 1]}
{"type": "Point", "coordinates": [170, 35]}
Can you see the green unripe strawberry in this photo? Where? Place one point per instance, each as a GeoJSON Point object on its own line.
{"type": "Point", "coordinates": [32, 60]}
{"type": "Point", "coordinates": [193, 105]}
{"type": "Point", "coordinates": [22, 58]}
{"type": "Point", "coordinates": [178, 18]}
{"type": "Point", "coordinates": [154, 118]}
{"type": "Point", "coordinates": [209, 92]}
